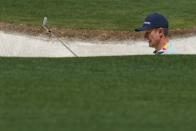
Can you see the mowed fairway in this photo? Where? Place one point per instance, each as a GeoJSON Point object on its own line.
{"type": "Point", "coordinates": [139, 93]}
{"type": "Point", "coordinates": [97, 14]}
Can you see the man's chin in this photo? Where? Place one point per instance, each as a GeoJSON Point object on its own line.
{"type": "Point", "coordinates": [151, 45]}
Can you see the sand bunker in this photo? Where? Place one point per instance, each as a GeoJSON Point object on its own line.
{"type": "Point", "coordinates": [17, 45]}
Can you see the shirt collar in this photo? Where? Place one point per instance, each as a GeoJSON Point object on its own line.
{"type": "Point", "coordinates": [162, 50]}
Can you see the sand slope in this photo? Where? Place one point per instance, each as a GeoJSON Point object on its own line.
{"type": "Point", "coordinates": [17, 45]}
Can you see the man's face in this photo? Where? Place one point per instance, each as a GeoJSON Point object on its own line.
{"type": "Point", "coordinates": [153, 36]}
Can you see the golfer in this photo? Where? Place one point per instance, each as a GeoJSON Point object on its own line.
{"type": "Point", "coordinates": [156, 32]}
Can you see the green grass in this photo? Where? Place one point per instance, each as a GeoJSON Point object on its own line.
{"type": "Point", "coordinates": [97, 14]}
{"type": "Point", "coordinates": [139, 93]}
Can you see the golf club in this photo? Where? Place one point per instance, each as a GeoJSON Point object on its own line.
{"type": "Point", "coordinates": [45, 26]}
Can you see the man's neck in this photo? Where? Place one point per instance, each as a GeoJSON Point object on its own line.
{"type": "Point", "coordinates": [162, 43]}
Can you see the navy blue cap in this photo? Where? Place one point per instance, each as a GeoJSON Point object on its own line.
{"type": "Point", "coordinates": [154, 21]}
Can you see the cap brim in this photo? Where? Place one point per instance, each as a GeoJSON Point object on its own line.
{"type": "Point", "coordinates": [144, 28]}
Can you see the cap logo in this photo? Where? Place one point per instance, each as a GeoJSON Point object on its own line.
{"type": "Point", "coordinates": [147, 23]}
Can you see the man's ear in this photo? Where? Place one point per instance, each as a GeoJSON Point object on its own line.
{"type": "Point", "coordinates": [161, 32]}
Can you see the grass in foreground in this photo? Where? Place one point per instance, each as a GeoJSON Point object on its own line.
{"type": "Point", "coordinates": [140, 93]}
{"type": "Point", "coordinates": [97, 14]}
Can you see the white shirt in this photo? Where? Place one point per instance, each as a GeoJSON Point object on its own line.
{"type": "Point", "coordinates": [167, 49]}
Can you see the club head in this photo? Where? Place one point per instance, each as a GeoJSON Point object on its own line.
{"type": "Point", "coordinates": [45, 22]}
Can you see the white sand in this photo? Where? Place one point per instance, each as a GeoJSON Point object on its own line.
{"type": "Point", "coordinates": [17, 45]}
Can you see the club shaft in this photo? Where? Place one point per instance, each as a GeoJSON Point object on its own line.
{"type": "Point", "coordinates": [62, 42]}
